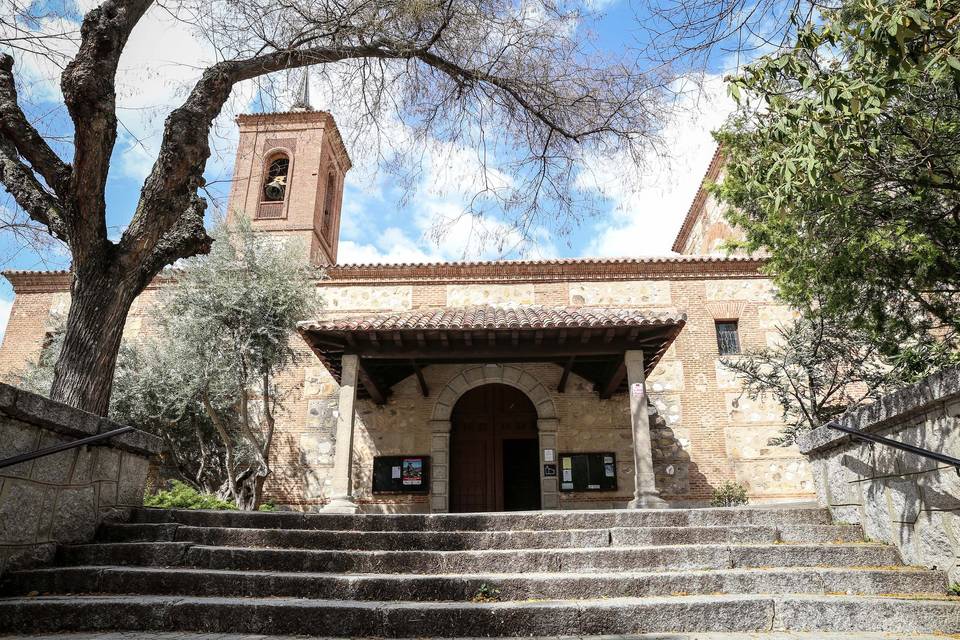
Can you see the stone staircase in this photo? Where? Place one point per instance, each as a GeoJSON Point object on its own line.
{"type": "Point", "coordinates": [520, 574]}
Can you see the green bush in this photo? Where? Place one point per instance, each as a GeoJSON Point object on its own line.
{"type": "Point", "coordinates": [267, 506]}
{"type": "Point", "coordinates": [729, 494]}
{"type": "Point", "coordinates": [183, 496]}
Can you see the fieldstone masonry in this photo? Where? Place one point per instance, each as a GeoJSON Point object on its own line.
{"type": "Point", "coordinates": [63, 497]}
{"type": "Point", "coordinates": [898, 497]}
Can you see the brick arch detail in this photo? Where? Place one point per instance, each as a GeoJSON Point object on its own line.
{"type": "Point", "coordinates": [479, 375]}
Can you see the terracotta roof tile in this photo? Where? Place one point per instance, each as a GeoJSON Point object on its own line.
{"type": "Point", "coordinates": [489, 317]}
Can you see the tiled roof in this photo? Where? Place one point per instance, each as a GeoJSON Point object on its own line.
{"type": "Point", "coordinates": [488, 317]}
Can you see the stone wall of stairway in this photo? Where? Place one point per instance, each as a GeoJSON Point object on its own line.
{"type": "Point", "coordinates": [63, 497]}
{"type": "Point", "coordinates": [898, 497]}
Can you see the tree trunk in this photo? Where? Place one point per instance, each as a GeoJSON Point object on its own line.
{"type": "Point", "coordinates": [83, 375]}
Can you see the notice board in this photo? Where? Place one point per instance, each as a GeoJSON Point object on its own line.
{"type": "Point", "coordinates": [401, 474]}
{"type": "Point", "coordinates": [588, 471]}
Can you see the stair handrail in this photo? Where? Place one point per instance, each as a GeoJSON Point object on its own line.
{"type": "Point", "coordinates": [857, 434]}
{"type": "Point", "coordinates": [57, 448]}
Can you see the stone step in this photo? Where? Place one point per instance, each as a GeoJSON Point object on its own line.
{"type": "Point", "coordinates": [658, 558]}
{"type": "Point", "coordinates": [464, 587]}
{"type": "Point", "coordinates": [476, 540]}
{"type": "Point", "coordinates": [529, 520]}
{"type": "Point", "coordinates": [772, 635]}
{"type": "Point", "coordinates": [728, 613]}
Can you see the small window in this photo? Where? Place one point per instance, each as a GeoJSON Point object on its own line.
{"type": "Point", "coordinates": [328, 202]}
{"type": "Point", "coordinates": [728, 338]}
{"type": "Point", "coordinates": [275, 183]}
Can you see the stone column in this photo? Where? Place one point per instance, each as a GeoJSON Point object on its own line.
{"type": "Point", "coordinates": [341, 494]}
{"type": "Point", "coordinates": [645, 494]}
{"type": "Point", "coordinates": [440, 466]}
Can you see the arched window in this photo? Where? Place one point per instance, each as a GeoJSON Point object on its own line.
{"type": "Point", "coordinates": [275, 182]}
{"type": "Point", "coordinates": [328, 204]}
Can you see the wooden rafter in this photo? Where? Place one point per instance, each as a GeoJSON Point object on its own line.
{"type": "Point", "coordinates": [562, 385]}
{"type": "Point", "coordinates": [614, 380]}
{"type": "Point", "coordinates": [424, 390]}
{"type": "Point", "coordinates": [378, 394]}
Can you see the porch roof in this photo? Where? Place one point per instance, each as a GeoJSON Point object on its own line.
{"type": "Point", "coordinates": [588, 341]}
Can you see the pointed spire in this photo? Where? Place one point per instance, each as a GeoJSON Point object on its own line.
{"type": "Point", "coordinates": [302, 100]}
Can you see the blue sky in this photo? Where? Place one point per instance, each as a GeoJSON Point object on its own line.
{"type": "Point", "coordinates": [383, 221]}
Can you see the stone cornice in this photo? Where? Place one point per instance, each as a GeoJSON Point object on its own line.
{"type": "Point", "coordinates": [696, 207]}
{"type": "Point", "coordinates": [570, 270]}
{"type": "Point", "coordinates": [502, 271]}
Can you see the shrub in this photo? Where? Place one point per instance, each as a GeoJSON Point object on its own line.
{"type": "Point", "coordinates": [729, 494]}
{"type": "Point", "coordinates": [486, 593]}
{"type": "Point", "coordinates": [267, 506]}
{"type": "Point", "coordinates": [183, 496]}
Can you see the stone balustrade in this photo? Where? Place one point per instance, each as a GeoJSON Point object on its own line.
{"type": "Point", "coordinates": [899, 497]}
{"type": "Point", "coordinates": [63, 497]}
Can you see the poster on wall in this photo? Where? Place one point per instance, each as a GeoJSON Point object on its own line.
{"type": "Point", "coordinates": [588, 471]}
{"type": "Point", "coordinates": [401, 474]}
{"type": "Point", "coordinates": [412, 472]}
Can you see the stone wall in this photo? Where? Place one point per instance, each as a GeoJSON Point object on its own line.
{"type": "Point", "coordinates": [898, 497]}
{"type": "Point", "coordinates": [61, 498]}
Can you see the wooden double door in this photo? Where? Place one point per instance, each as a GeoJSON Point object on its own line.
{"type": "Point", "coordinates": [494, 451]}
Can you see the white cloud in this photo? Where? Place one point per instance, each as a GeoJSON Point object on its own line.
{"type": "Point", "coordinates": [393, 245]}
{"type": "Point", "coordinates": [5, 307]}
{"type": "Point", "coordinates": [651, 200]}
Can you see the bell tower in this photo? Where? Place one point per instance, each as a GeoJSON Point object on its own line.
{"type": "Point", "coordinates": [288, 177]}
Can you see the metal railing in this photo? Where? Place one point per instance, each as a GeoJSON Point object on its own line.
{"type": "Point", "coordinates": [57, 448]}
{"type": "Point", "coordinates": [902, 446]}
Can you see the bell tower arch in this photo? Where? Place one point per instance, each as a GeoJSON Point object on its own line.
{"type": "Point", "coordinates": [288, 178]}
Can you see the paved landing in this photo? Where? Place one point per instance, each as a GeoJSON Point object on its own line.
{"type": "Point", "coordinates": [133, 635]}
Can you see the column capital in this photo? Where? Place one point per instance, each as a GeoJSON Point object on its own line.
{"type": "Point", "coordinates": [548, 424]}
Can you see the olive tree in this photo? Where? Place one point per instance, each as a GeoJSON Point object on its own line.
{"type": "Point", "coordinates": [818, 368]}
{"type": "Point", "coordinates": [516, 78]}
{"type": "Point", "coordinates": [204, 375]}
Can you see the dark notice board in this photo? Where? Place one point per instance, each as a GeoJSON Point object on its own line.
{"type": "Point", "coordinates": [588, 471]}
{"type": "Point", "coordinates": [401, 474]}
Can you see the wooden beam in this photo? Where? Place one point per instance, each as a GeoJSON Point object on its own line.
{"type": "Point", "coordinates": [515, 337]}
{"type": "Point", "coordinates": [421, 339]}
{"type": "Point", "coordinates": [424, 390]}
{"type": "Point", "coordinates": [585, 336]}
{"type": "Point", "coordinates": [538, 337]}
{"type": "Point", "coordinates": [398, 338]}
{"type": "Point", "coordinates": [608, 336]}
{"type": "Point", "coordinates": [378, 394]}
{"type": "Point", "coordinates": [492, 338]}
{"type": "Point", "coordinates": [614, 380]}
{"type": "Point", "coordinates": [374, 340]}
{"type": "Point", "coordinates": [467, 338]}
{"type": "Point", "coordinates": [547, 351]}
{"type": "Point", "coordinates": [562, 336]}
{"type": "Point", "coordinates": [562, 385]}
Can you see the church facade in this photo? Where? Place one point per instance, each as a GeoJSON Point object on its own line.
{"type": "Point", "coordinates": [491, 386]}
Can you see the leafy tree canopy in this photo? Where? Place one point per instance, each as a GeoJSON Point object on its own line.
{"type": "Point", "coordinates": [843, 163]}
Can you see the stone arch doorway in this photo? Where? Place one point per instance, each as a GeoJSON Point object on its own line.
{"type": "Point", "coordinates": [494, 451]}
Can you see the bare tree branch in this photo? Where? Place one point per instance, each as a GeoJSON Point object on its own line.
{"type": "Point", "coordinates": [26, 139]}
